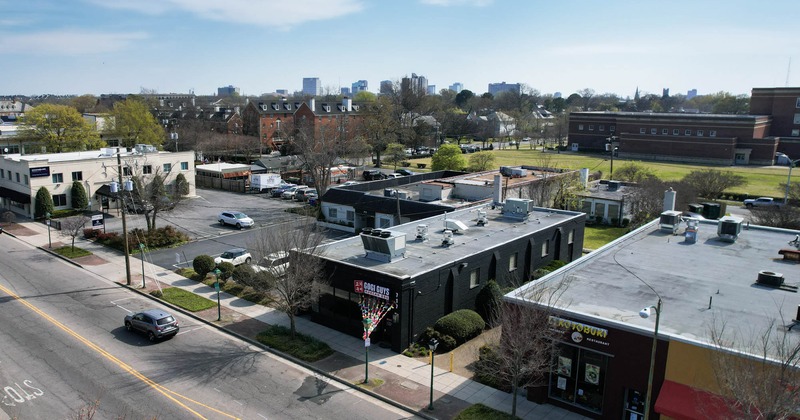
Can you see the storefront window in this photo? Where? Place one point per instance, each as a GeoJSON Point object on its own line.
{"type": "Point", "coordinates": [579, 377]}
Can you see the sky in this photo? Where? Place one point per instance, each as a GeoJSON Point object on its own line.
{"type": "Point", "coordinates": [181, 46]}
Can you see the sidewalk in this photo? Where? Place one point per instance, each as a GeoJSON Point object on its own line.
{"type": "Point", "coordinates": [406, 380]}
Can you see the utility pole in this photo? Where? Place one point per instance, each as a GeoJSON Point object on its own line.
{"type": "Point", "coordinates": [121, 203]}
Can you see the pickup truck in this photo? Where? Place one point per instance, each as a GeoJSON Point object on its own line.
{"type": "Point", "coordinates": [761, 202]}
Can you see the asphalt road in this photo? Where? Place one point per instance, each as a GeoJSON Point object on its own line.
{"type": "Point", "coordinates": [65, 350]}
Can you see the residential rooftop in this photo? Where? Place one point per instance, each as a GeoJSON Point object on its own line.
{"type": "Point", "coordinates": [110, 152]}
{"type": "Point", "coordinates": [701, 284]}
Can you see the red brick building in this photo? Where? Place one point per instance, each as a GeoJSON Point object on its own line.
{"type": "Point", "coordinates": [772, 126]}
{"type": "Point", "coordinates": [273, 122]}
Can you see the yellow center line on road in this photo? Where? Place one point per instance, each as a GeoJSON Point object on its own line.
{"type": "Point", "coordinates": [160, 388]}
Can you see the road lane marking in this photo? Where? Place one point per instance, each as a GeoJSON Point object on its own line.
{"type": "Point", "coordinates": [124, 366]}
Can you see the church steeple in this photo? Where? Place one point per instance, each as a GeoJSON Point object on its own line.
{"type": "Point", "coordinates": [636, 95]}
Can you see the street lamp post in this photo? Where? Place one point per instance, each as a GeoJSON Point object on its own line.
{"type": "Point", "coordinates": [141, 254]}
{"type": "Point", "coordinates": [789, 180]}
{"type": "Point", "coordinates": [610, 146]}
{"type": "Point", "coordinates": [645, 313]}
{"type": "Point", "coordinates": [432, 346]}
{"type": "Point", "coordinates": [49, 243]}
{"type": "Point", "coordinates": [216, 286]}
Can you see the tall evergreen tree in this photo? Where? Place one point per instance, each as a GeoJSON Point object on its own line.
{"type": "Point", "coordinates": [43, 204]}
{"type": "Point", "coordinates": [80, 200]}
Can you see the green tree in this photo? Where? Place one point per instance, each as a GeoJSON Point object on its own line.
{"type": "Point", "coordinates": [394, 153]}
{"type": "Point", "coordinates": [481, 161]}
{"type": "Point", "coordinates": [59, 128]}
{"type": "Point", "coordinates": [132, 123]}
{"type": "Point", "coordinates": [181, 185]}
{"type": "Point", "coordinates": [43, 204]}
{"type": "Point", "coordinates": [364, 96]}
{"type": "Point", "coordinates": [80, 200]}
{"type": "Point", "coordinates": [634, 172]}
{"type": "Point", "coordinates": [711, 183]}
{"type": "Point", "coordinates": [84, 103]}
{"type": "Point", "coordinates": [448, 157]}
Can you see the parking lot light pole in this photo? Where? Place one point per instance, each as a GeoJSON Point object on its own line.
{"type": "Point", "coordinates": [612, 148]}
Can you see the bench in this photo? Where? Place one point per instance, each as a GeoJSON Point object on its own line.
{"type": "Point", "coordinates": [790, 254]}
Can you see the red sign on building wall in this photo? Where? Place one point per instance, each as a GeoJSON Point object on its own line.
{"type": "Point", "coordinates": [358, 286]}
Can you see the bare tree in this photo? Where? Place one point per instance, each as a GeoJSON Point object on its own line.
{"type": "Point", "coordinates": [760, 372]}
{"type": "Point", "coordinates": [710, 183]}
{"type": "Point", "coordinates": [646, 200]}
{"type": "Point", "coordinates": [73, 226]}
{"type": "Point", "coordinates": [524, 355]}
{"type": "Point", "coordinates": [295, 286]}
{"type": "Point", "coordinates": [320, 147]}
{"type": "Point", "coordinates": [787, 217]}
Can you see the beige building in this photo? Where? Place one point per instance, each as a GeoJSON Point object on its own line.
{"type": "Point", "coordinates": [21, 176]}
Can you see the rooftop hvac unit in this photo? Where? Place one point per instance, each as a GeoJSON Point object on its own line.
{"type": "Point", "coordinates": [769, 278]}
{"type": "Point", "coordinates": [455, 226]}
{"type": "Point", "coordinates": [518, 173]}
{"type": "Point", "coordinates": [613, 186]}
{"type": "Point", "coordinates": [670, 221]}
{"type": "Point", "coordinates": [729, 228]}
{"type": "Point", "coordinates": [517, 207]}
{"type": "Point", "coordinates": [422, 232]}
{"type": "Point", "coordinates": [447, 238]}
{"type": "Point", "coordinates": [692, 226]}
{"type": "Point", "coordinates": [483, 220]}
{"type": "Point", "coordinates": [383, 246]}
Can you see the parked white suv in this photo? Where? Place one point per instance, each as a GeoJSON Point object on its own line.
{"type": "Point", "coordinates": [235, 256]}
{"type": "Point", "coordinates": [235, 218]}
{"type": "Point", "coordinates": [275, 264]}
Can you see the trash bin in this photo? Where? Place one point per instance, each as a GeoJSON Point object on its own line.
{"type": "Point", "coordinates": [696, 208]}
{"type": "Point", "coordinates": [711, 210]}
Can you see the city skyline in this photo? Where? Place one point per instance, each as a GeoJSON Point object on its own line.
{"type": "Point", "coordinates": [178, 46]}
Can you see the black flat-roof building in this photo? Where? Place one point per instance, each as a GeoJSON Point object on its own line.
{"type": "Point", "coordinates": [430, 271]}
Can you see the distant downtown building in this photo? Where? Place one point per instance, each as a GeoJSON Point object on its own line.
{"type": "Point", "coordinates": [456, 87]}
{"type": "Point", "coordinates": [415, 84]}
{"type": "Point", "coordinates": [312, 86]}
{"type": "Point", "coordinates": [431, 89]}
{"type": "Point", "coordinates": [359, 86]}
{"type": "Point", "coordinates": [495, 88]}
{"type": "Point", "coordinates": [229, 90]}
{"type": "Point", "coordinates": [387, 86]}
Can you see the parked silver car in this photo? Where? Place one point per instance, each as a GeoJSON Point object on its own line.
{"type": "Point", "coordinates": [155, 323]}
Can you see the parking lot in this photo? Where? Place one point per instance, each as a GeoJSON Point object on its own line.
{"type": "Point", "coordinates": [197, 216]}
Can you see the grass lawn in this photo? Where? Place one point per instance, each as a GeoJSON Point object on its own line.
{"type": "Point", "coordinates": [301, 346]}
{"type": "Point", "coordinates": [761, 181]}
{"type": "Point", "coordinates": [598, 235]}
{"type": "Point", "coordinates": [481, 412]}
{"type": "Point", "coordinates": [186, 300]}
{"type": "Point", "coordinates": [70, 252]}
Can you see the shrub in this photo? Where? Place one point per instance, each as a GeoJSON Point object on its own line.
{"type": "Point", "coordinates": [79, 199]}
{"type": "Point", "coordinates": [485, 369]}
{"type": "Point", "coordinates": [226, 270]}
{"type": "Point", "coordinates": [301, 346]}
{"type": "Point", "coordinates": [90, 233]}
{"type": "Point", "coordinates": [488, 300]}
{"type": "Point", "coordinates": [462, 325]}
{"type": "Point", "coordinates": [203, 264]}
{"type": "Point", "coordinates": [243, 273]}
{"type": "Point", "coordinates": [43, 203]}
{"type": "Point", "coordinates": [446, 343]}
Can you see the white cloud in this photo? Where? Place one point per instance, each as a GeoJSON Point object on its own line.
{"type": "Point", "coordinates": [259, 13]}
{"type": "Point", "coordinates": [445, 3]}
{"type": "Point", "coordinates": [68, 42]}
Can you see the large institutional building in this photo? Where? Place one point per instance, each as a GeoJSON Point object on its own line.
{"type": "Point", "coordinates": [773, 125]}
